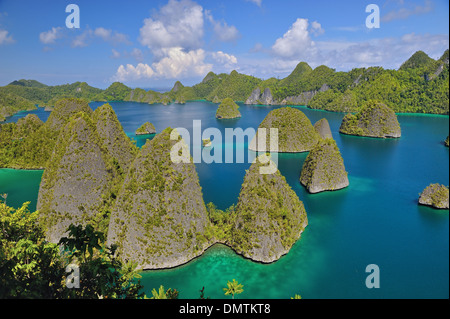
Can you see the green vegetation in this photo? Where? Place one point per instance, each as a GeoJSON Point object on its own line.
{"type": "Point", "coordinates": [295, 132]}
{"type": "Point", "coordinates": [374, 120]}
{"type": "Point", "coordinates": [421, 85]}
{"type": "Point", "coordinates": [145, 129]}
{"type": "Point", "coordinates": [446, 142]}
{"type": "Point", "coordinates": [233, 288]}
{"type": "Point", "coordinates": [324, 168]}
{"type": "Point", "coordinates": [435, 195]}
{"type": "Point", "coordinates": [115, 92]}
{"type": "Point", "coordinates": [269, 216]}
{"type": "Point", "coordinates": [31, 267]}
{"type": "Point", "coordinates": [228, 110]}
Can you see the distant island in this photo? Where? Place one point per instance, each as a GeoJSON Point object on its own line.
{"type": "Point", "coordinates": [145, 129]}
{"type": "Point", "coordinates": [436, 196]}
{"type": "Point", "coordinates": [228, 110]}
{"type": "Point", "coordinates": [420, 85]}
{"type": "Point", "coordinates": [152, 208]}
{"type": "Point", "coordinates": [375, 119]}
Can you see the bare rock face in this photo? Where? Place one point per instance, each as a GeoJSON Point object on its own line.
{"type": "Point", "coordinates": [64, 109]}
{"type": "Point", "coordinates": [159, 218]}
{"type": "Point", "coordinates": [269, 216]}
{"type": "Point", "coordinates": [113, 138]}
{"type": "Point", "coordinates": [374, 120]}
{"type": "Point", "coordinates": [435, 195]}
{"type": "Point", "coordinates": [77, 176]}
{"type": "Point", "coordinates": [323, 128]}
{"type": "Point", "coordinates": [324, 168]}
{"type": "Point", "coordinates": [295, 132]}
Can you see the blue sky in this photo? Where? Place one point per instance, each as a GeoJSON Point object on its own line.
{"type": "Point", "coordinates": [153, 43]}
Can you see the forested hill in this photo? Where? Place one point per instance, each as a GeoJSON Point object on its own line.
{"type": "Point", "coordinates": [420, 85]}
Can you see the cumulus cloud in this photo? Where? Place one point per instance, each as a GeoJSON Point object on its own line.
{"type": "Point", "coordinates": [178, 24]}
{"type": "Point", "coordinates": [5, 38]}
{"type": "Point", "coordinates": [296, 42]}
{"type": "Point", "coordinates": [404, 13]}
{"type": "Point", "coordinates": [49, 37]}
{"type": "Point", "coordinates": [175, 64]}
{"type": "Point", "coordinates": [131, 73]}
{"type": "Point", "coordinates": [222, 30]}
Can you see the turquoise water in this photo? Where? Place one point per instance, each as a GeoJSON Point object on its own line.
{"type": "Point", "coordinates": [376, 220]}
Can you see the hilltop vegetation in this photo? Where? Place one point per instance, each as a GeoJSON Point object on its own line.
{"type": "Point", "coordinates": [228, 110]}
{"type": "Point", "coordinates": [420, 85]}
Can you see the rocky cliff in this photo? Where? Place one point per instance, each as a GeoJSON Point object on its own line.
{"type": "Point", "coordinates": [323, 169]}
{"type": "Point", "coordinates": [159, 218]}
{"type": "Point", "coordinates": [322, 127]}
{"type": "Point", "coordinates": [269, 216]}
{"type": "Point", "coordinates": [78, 177]}
{"type": "Point", "coordinates": [435, 195]}
{"type": "Point", "coordinates": [295, 132]}
{"type": "Point", "coordinates": [374, 120]}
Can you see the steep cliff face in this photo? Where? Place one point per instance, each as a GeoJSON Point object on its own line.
{"type": "Point", "coordinates": [64, 109]}
{"type": "Point", "coordinates": [159, 218]}
{"type": "Point", "coordinates": [435, 195]}
{"type": "Point", "coordinates": [374, 120]}
{"type": "Point", "coordinates": [322, 127]}
{"type": "Point", "coordinates": [120, 148]}
{"type": "Point", "coordinates": [295, 132]}
{"type": "Point", "coordinates": [258, 97]}
{"type": "Point", "coordinates": [78, 175]}
{"type": "Point", "coordinates": [269, 216]}
{"type": "Point", "coordinates": [324, 168]}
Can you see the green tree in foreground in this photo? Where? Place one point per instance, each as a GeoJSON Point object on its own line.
{"type": "Point", "coordinates": [233, 288]}
{"type": "Point", "coordinates": [164, 294]}
{"type": "Point", "coordinates": [31, 267]}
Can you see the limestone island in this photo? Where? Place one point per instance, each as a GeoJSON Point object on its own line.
{"type": "Point", "coordinates": [324, 168]}
{"type": "Point", "coordinates": [228, 110]}
{"type": "Point", "coordinates": [374, 120]}
{"type": "Point", "coordinates": [270, 217]}
{"type": "Point", "coordinates": [323, 128]}
{"type": "Point", "coordinates": [160, 218]}
{"type": "Point", "coordinates": [296, 134]}
{"type": "Point", "coordinates": [146, 129]}
{"type": "Point", "coordinates": [446, 142]}
{"type": "Point", "coordinates": [435, 195]}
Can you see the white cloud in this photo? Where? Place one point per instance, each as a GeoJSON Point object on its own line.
{"type": "Point", "coordinates": [178, 24]}
{"type": "Point", "coordinates": [137, 54]}
{"type": "Point", "coordinates": [222, 30]}
{"type": "Point", "coordinates": [115, 54]}
{"type": "Point", "coordinates": [404, 13]}
{"type": "Point", "coordinates": [178, 63]}
{"type": "Point", "coordinates": [316, 28]}
{"type": "Point", "coordinates": [5, 38]}
{"type": "Point", "coordinates": [296, 42]}
{"type": "Point", "coordinates": [132, 73]}
{"type": "Point", "coordinates": [257, 2]}
{"type": "Point", "coordinates": [107, 35]}
{"type": "Point", "coordinates": [224, 58]}
{"type": "Point", "coordinates": [50, 36]}
{"type": "Point", "coordinates": [175, 64]}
